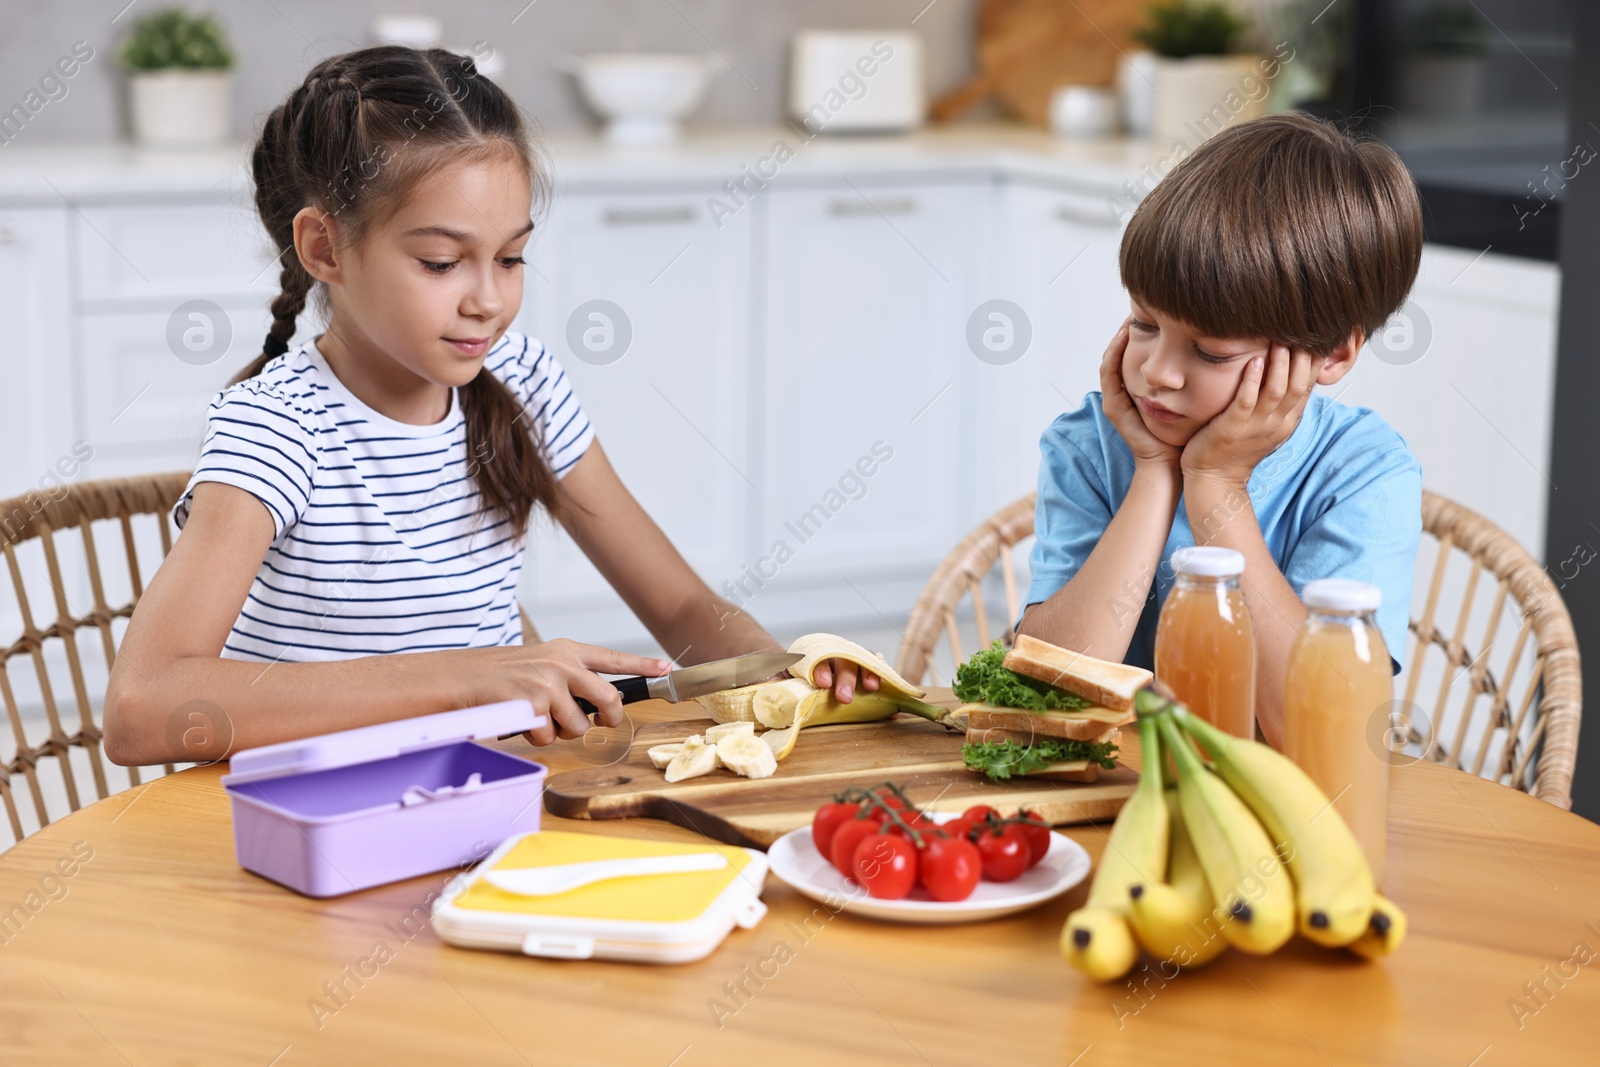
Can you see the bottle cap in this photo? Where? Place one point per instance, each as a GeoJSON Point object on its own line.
{"type": "Point", "coordinates": [1208, 561]}
{"type": "Point", "coordinates": [1342, 594]}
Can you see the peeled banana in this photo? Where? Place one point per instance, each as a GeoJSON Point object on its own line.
{"type": "Point", "coordinates": [788, 705]}
{"type": "Point", "coordinates": [1242, 869]}
{"type": "Point", "coordinates": [819, 708]}
{"type": "Point", "coordinates": [1334, 892]}
{"type": "Point", "coordinates": [732, 705]}
{"type": "Point", "coordinates": [1097, 938]}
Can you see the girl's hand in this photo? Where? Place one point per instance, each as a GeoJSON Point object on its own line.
{"type": "Point", "coordinates": [841, 675]}
{"type": "Point", "coordinates": [1264, 413]}
{"type": "Point", "coordinates": [551, 673]}
{"type": "Point", "coordinates": [1149, 453]}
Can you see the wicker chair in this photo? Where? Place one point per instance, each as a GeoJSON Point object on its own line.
{"type": "Point", "coordinates": [72, 586]}
{"type": "Point", "coordinates": [1524, 734]}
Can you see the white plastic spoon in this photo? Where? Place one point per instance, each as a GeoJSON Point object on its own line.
{"type": "Point", "coordinates": [546, 881]}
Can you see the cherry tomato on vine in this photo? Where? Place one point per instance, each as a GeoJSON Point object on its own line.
{"type": "Point", "coordinates": [978, 813]}
{"type": "Point", "coordinates": [842, 849]}
{"type": "Point", "coordinates": [1038, 837]}
{"type": "Point", "coordinates": [949, 868]}
{"type": "Point", "coordinates": [886, 865]}
{"type": "Point", "coordinates": [960, 826]}
{"type": "Point", "coordinates": [916, 821]}
{"type": "Point", "coordinates": [829, 818]}
{"type": "Point", "coordinates": [1004, 854]}
{"type": "Point", "coordinates": [891, 798]}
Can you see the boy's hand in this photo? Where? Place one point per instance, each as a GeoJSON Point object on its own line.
{"type": "Point", "coordinates": [1149, 453]}
{"type": "Point", "coordinates": [1263, 415]}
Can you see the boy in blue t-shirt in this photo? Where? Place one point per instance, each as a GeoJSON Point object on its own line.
{"type": "Point", "coordinates": [1256, 270]}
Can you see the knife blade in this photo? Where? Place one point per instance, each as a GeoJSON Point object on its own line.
{"type": "Point", "coordinates": [686, 683]}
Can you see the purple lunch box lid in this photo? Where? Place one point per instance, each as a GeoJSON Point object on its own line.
{"type": "Point", "coordinates": [383, 740]}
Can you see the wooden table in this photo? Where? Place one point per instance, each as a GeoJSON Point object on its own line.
{"type": "Point", "coordinates": [160, 950]}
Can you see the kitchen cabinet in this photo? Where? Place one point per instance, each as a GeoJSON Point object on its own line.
{"type": "Point", "coordinates": [36, 362]}
{"type": "Point", "coordinates": [868, 288]}
{"type": "Point", "coordinates": [645, 300]}
{"type": "Point", "coordinates": [144, 409]}
{"type": "Point", "coordinates": [1465, 375]}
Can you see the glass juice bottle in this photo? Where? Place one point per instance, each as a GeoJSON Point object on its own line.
{"type": "Point", "coordinates": [1205, 648]}
{"type": "Point", "coordinates": [1340, 677]}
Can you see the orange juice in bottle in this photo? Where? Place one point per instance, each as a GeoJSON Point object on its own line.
{"type": "Point", "coordinates": [1205, 648]}
{"type": "Point", "coordinates": [1339, 678]}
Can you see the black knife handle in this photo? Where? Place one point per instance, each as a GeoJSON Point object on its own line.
{"type": "Point", "coordinates": [632, 689]}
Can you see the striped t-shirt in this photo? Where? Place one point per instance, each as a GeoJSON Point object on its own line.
{"type": "Point", "coordinates": [382, 543]}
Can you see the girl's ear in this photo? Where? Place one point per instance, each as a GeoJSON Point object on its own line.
{"type": "Point", "coordinates": [1341, 359]}
{"type": "Point", "coordinates": [316, 242]}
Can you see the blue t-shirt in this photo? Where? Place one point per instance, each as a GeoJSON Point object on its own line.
{"type": "Point", "coordinates": [1341, 498]}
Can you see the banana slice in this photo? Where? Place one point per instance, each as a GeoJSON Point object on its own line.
{"type": "Point", "coordinates": [694, 759]}
{"type": "Point", "coordinates": [716, 733]}
{"type": "Point", "coordinates": [661, 755]}
{"type": "Point", "coordinates": [732, 705]}
{"type": "Point", "coordinates": [745, 754]}
{"type": "Point", "coordinates": [775, 705]}
{"type": "Point", "coordinates": [818, 647]}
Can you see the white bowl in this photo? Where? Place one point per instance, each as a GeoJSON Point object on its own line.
{"type": "Point", "coordinates": [643, 96]}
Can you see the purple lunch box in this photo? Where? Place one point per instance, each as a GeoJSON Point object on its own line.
{"type": "Point", "coordinates": [350, 810]}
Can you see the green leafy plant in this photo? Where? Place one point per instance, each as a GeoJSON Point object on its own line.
{"type": "Point", "coordinates": [1447, 29]}
{"type": "Point", "coordinates": [174, 39]}
{"type": "Point", "coordinates": [984, 678]}
{"type": "Point", "coordinates": [1181, 28]}
{"type": "Point", "coordinates": [1001, 759]}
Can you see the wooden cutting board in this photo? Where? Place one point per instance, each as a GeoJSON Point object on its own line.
{"type": "Point", "coordinates": [1026, 48]}
{"type": "Point", "coordinates": [920, 755]}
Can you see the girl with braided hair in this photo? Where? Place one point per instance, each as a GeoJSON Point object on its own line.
{"type": "Point", "coordinates": [368, 492]}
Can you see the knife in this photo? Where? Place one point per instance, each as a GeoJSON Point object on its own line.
{"type": "Point", "coordinates": [686, 683]}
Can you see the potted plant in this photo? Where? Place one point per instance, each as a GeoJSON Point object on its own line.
{"type": "Point", "coordinates": [1446, 46]}
{"type": "Point", "coordinates": [180, 75]}
{"type": "Point", "coordinates": [1202, 82]}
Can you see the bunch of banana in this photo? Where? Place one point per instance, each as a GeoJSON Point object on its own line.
{"type": "Point", "coordinates": [1251, 851]}
{"type": "Point", "coordinates": [786, 706]}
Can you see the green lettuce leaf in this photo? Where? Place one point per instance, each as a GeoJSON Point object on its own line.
{"type": "Point", "coordinates": [1000, 760]}
{"type": "Point", "coordinates": [983, 679]}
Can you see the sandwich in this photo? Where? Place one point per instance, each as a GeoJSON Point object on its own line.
{"type": "Point", "coordinates": [1043, 711]}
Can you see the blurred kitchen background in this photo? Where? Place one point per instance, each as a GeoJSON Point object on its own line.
{"type": "Point", "coordinates": [790, 235]}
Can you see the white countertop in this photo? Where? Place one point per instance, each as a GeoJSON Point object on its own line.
{"type": "Point", "coordinates": [45, 173]}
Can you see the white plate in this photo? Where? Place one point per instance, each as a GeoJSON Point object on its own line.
{"type": "Point", "coordinates": [796, 861]}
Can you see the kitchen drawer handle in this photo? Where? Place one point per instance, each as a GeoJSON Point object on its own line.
{"type": "Point", "coordinates": [843, 208]}
{"type": "Point", "coordinates": [1085, 216]}
{"type": "Point", "coordinates": [650, 216]}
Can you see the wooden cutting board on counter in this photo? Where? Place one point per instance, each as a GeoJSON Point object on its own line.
{"type": "Point", "coordinates": [1026, 48]}
{"type": "Point", "coordinates": [920, 755]}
